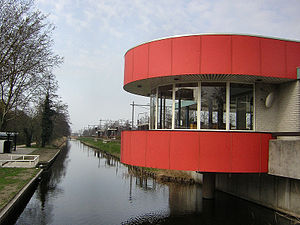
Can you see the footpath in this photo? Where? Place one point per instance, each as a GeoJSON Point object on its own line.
{"type": "Point", "coordinates": [18, 184]}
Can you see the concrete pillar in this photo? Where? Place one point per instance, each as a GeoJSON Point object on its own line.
{"type": "Point", "coordinates": [208, 186]}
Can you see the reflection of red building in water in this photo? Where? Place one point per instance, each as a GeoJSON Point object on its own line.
{"type": "Point", "coordinates": [215, 100]}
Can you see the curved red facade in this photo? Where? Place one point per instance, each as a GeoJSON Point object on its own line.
{"type": "Point", "coordinates": [236, 152]}
{"type": "Point", "coordinates": [213, 54]}
{"type": "Point", "coordinates": [196, 58]}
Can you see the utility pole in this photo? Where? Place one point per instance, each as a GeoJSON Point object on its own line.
{"type": "Point", "coordinates": [100, 124]}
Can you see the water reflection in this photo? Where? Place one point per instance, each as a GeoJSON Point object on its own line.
{"type": "Point", "coordinates": [184, 199]}
{"type": "Point", "coordinates": [39, 210]}
{"type": "Point", "coordinates": [187, 207]}
{"type": "Point", "coordinates": [86, 186]}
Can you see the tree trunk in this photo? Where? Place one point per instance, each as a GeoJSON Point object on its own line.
{"type": "Point", "coordinates": [28, 137]}
{"type": "Point", "coordinates": [2, 122]}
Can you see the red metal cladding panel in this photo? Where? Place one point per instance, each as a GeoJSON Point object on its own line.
{"type": "Point", "coordinates": [128, 70]}
{"type": "Point", "coordinates": [186, 55]}
{"type": "Point", "coordinates": [184, 151]}
{"type": "Point", "coordinates": [235, 152]}
{"type": "Point", "coordinates": [245, 55]}
{"type": "Point", "coordinates": [215, 152]}
{"type": "Point", "coordinates": [157, 155]}
{"type": "Point", "coordinates": [265, 151]}
{"type": "Point", "coordinates": [215, 54]}
{"type": "Point", "coordinates": [160, 58]}
{"type": "Point", "coordinates": [122, 145]}
{"type": "Point", "coordinates": [292, 58]}
{"type": "Point", "coordinates": [246, 152]}
{"type": "Point", "coordinates": [138, 148]}
{"type": "Point", "coordinates": [141, 59]}
{"type": "Point", "coordinates": [123, 149]}
{"type": "Point", "coordinates": [273, 58]}
{"type": "Point", "coordinates": [126, 148]}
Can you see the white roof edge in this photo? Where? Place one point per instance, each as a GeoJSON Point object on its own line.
{"type": "Point", "coordinates": [200, 34]}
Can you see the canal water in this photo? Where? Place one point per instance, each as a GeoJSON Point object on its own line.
{"type": "Point", "coordinates": [85, 186]}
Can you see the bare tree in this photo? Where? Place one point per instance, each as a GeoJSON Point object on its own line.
{"type": "Point", "coordinates": [26, 56]}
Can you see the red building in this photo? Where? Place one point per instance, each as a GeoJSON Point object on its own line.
{"type": "Point", "coordinates": [215, 100]}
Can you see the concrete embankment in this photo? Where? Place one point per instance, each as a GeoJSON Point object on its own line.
{"type": "Point", "coordinates": [280, 188]}
{"type": "Point", "coordinates": [14, 206]}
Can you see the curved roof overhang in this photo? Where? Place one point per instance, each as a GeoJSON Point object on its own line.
{"type": "Point", "coordinates": [210, 57]}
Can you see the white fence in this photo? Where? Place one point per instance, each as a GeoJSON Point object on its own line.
{"type": "Point", "coordinates": [15, 160]}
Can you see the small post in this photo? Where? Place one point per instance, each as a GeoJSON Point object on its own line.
{"type": "Point", "coordinates": [15, 140]}
{"type": "Point", "coordinates": [132, 120]}
{"type": "Point", "coordinates": [160, 112]}
{"type": "Point", "coordinates": [179, 112]}
{"type": "Point", "coordinates": [208, 187]}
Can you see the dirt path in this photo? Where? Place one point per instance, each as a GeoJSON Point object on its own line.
{"type": "Point", "coordinates": [45, 154]}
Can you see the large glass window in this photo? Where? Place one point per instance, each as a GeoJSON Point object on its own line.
{"type": "Point", "coordinates": [183, 112]}
{"type": "Point", "coordinates": [241, 106]}
{"type": "Point", "coordinates": [186, 106]}
{"type": "Point", "coordinates": [213, 106]}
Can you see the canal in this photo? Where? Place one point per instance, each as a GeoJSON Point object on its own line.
{"type": "Point", "coordinates": [85, 186]}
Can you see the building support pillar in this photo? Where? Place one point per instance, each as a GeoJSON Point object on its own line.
{"type": "Point", "coordinates": [208, 186]}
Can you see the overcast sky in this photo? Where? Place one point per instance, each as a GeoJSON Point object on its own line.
{"type": "Point", "coordinates": [93, 36]}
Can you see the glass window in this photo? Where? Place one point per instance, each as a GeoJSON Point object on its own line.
{"type": "Point", "coordinates": [152, 108]}
{"type": "Point", "coordinates": [213, 106]}
{"type": "Point", "coordinates": [186, 106]}
{"type": "Point", "coordinates": [165, 107]}
{"type": "Point", "coordinates": [241, 106]}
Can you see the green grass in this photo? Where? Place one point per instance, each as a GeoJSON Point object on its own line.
{"type": "Point", "coordinates": [113, 147]}
{"type": "Point", "coordinates": [12, 180]}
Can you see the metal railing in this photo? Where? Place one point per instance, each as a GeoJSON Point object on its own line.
{"type": "Point", "coordinates": [15, 160]}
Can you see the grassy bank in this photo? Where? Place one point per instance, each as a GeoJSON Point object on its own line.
{"type": "Point", "coordinates": [12, 180]}
{"type": "Point", "coordinates": [112, 147]}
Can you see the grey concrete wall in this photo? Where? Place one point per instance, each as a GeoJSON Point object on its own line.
{"type": "Point", "coordinates": [288, 118]}
{"type": "Point", "coordinates": [284, 158]}
{"type": "Point", "coordinates": [279, 193]}
{"type": "Point", "coordinates": [265, 118]}
{"type": "Point", "coordinates": [284, 115]}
